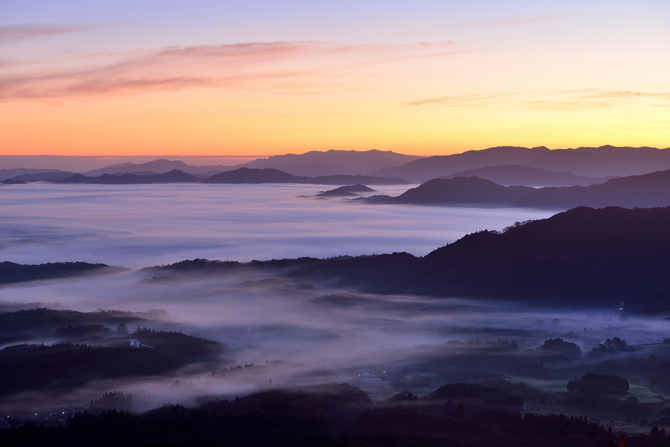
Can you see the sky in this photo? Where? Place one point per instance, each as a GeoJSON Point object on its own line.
{"type": "Point", "coordinates": [259, 78]}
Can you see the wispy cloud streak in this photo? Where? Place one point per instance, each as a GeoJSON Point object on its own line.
{"type": "Point", "coordinates": [15, 33]}
{"type": "Point", "coordinates": [206, 66]}
{"type": "Point", "coordinates": [562, 99]}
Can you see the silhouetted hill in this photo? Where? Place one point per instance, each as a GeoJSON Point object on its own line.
{"type": "Point", "coordinates": [327, 415]}
{"type": "Point", "coordinates": [14, 181]}
{"type": "Point", "coordinates": [159, 167]}
{"type": "Point", "coordinates": [105, 179]}
{"type": "Point", "coordinates": [11, 272]}
{"type": "Point", "coordinates": [648, 190]}
{"type": "Point", "coordinates": [516, 175]}
{"type": "Point", "coordinates": [41, 323]}
{"type": "Point", "coordinates": [39, 367]}
{"type": "Point", "coordinates": [174, 176]}
{"type": "Point", "coordinates": [458, 191]}
{"type": "Point", "coordinates": [14, 172]}
{"type": "Point", "coordinates": [333, 162]}
{"type": "Point", "coordinates": [271, 175]}
{"type": "Point", "coordinates": [247, 175]}
{"type": "Point", "coordinates": [42, 176]}
{"type": "Point", "coordinates": [317, 168]}
{"type": "Point", "coordinates": [584, 256]}
{"type": "Point", "coordinates": [586, 161]}
{"type": "Point", "coordinates": [345, 191]}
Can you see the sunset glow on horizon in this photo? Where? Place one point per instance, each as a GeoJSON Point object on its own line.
{"type": "Point", "coordinates": [424, 78]}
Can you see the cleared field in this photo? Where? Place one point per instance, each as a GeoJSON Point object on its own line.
{"type": "Point", "coordinates": [643, 394]}
{"type": "Point", "coordinates": [552, 386]}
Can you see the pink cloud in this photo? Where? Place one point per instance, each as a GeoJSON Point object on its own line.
{"type": "Point", "coordinates": [573, 99]}
{"type": "Point", "coordinates": [13, 33]}
{"type": "Point", "coordinates": [298, 67]}
{"type": "Point", "coordinates": [460, 101]}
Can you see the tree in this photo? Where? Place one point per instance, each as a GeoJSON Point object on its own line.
{"type": "Point", "coordinates": [598, 384]}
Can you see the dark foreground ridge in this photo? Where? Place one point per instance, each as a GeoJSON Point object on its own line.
{"type": "Point", "coordinates": [583, 256]}
{"type": "Point", "coordinates": [271, 175]}
{"type": "Point", "coordinates": [331, 415]}
{"type": "Point", "coordinates": [11, 272]}
{"type": "Point", "coordinates": [648, 190]}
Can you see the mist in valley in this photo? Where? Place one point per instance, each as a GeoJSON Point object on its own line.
{"type": "Point", "coordinates": [230, 333]}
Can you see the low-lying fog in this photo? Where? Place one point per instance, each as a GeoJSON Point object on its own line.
{"type": "Point", "coordinates": [329, 338]}
{"type": "Point", "coordinates": [340, 336]}
{"type": "Point", "coordinates": [136, 226]}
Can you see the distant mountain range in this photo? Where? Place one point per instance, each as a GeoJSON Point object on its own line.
{"type": "Point", "coordinates": [12, 173]}
{"type": "Point", "coordinates": [159, 167]}
{"type": "Point", "coordinates": [586, 257]}
{"type": "Point", "coordinates": [174, 176]}
{"type": "Point", "coordinates": [509, 175]}
{"type": "Point", "coordinates": [648, 190]}
{"type": "Point", "coordinates": [270, 175]}
{"type": "Point", "coordinates": [333, 162]}
{"type": "Point", "coordinates": [504, 165]}
{"type": "Point", "coordinates": [584, 161]}
{"type": "Point", "coordinates": [310, 164]}
{"type": "Point", "coordinates": [238, 176]}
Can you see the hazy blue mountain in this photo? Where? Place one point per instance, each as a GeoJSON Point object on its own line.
{"type": "Point", "coordinates": [648, 190]}
{"type": "Point", "coordinates": [14, 181]}
{"type": "Point", "coordinates": [42, 176]}
{"type": "Point", "coordinates": [14, 172]}
{"type": "Point", "coordinates": [318, 168]}
{"type": "Point", "coordinates": [509, 175]}
{"type": "Point", "coordinates": [174, 176]}
{"type": "Point", "coordinates": [584, 161]}
{"type": "Point", "coordinates": [458, 191]}
{"type": "Point", "coordinates": [159, 167]}
{"type": "Point", "coordinates": [317, 163]}
{"type": "Point", "coordinates": [271, 175]}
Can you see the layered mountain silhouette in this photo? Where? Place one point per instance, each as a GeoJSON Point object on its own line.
{"type": "Point", "coordinates": [270, 175]}
{"type": "Point", "coordinates": [510, 175]}
{"type": "Point", "coordinates": [42, 176]}
{"type": "Point", "coordinates": [585, 256]}
{"type": "Point", "coordinates": [584, 161]}
{"type": "Point", "coordinates": [20, 173]}
{"type": "Point", "coordinates": [310, 164]}
{"type": "Point", "coordinates": [175, 176]}
{"type": "Point", "coordinates": [158, 167]}
{"type": "Point", "coordinates": [333, 162]}
{"type": "Point", "coordinates": [648, 190]}
{"type": "Point", "coordinates": [345, 191]}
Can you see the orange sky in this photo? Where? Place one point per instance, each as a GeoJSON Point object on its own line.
{"type": "Point", "coordinates": [553, 80]}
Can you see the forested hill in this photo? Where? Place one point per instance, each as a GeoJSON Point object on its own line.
{"type": "Point", "coordinates": [648, 190]}
{"type": "Point", "coordinates": [11, 272]}
{"type": "Point", "coordinates": [584, 256]}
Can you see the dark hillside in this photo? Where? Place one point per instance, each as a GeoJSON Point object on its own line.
{"type": "Point", "coordinates": [11, 272]}
{"type": "Point", "coordinates": [584, 256]}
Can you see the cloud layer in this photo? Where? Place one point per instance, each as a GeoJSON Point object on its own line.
{"type": "Point", "coordinates": [208, 66]}
{"type": "Point", "coordinates": [16, 33]}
